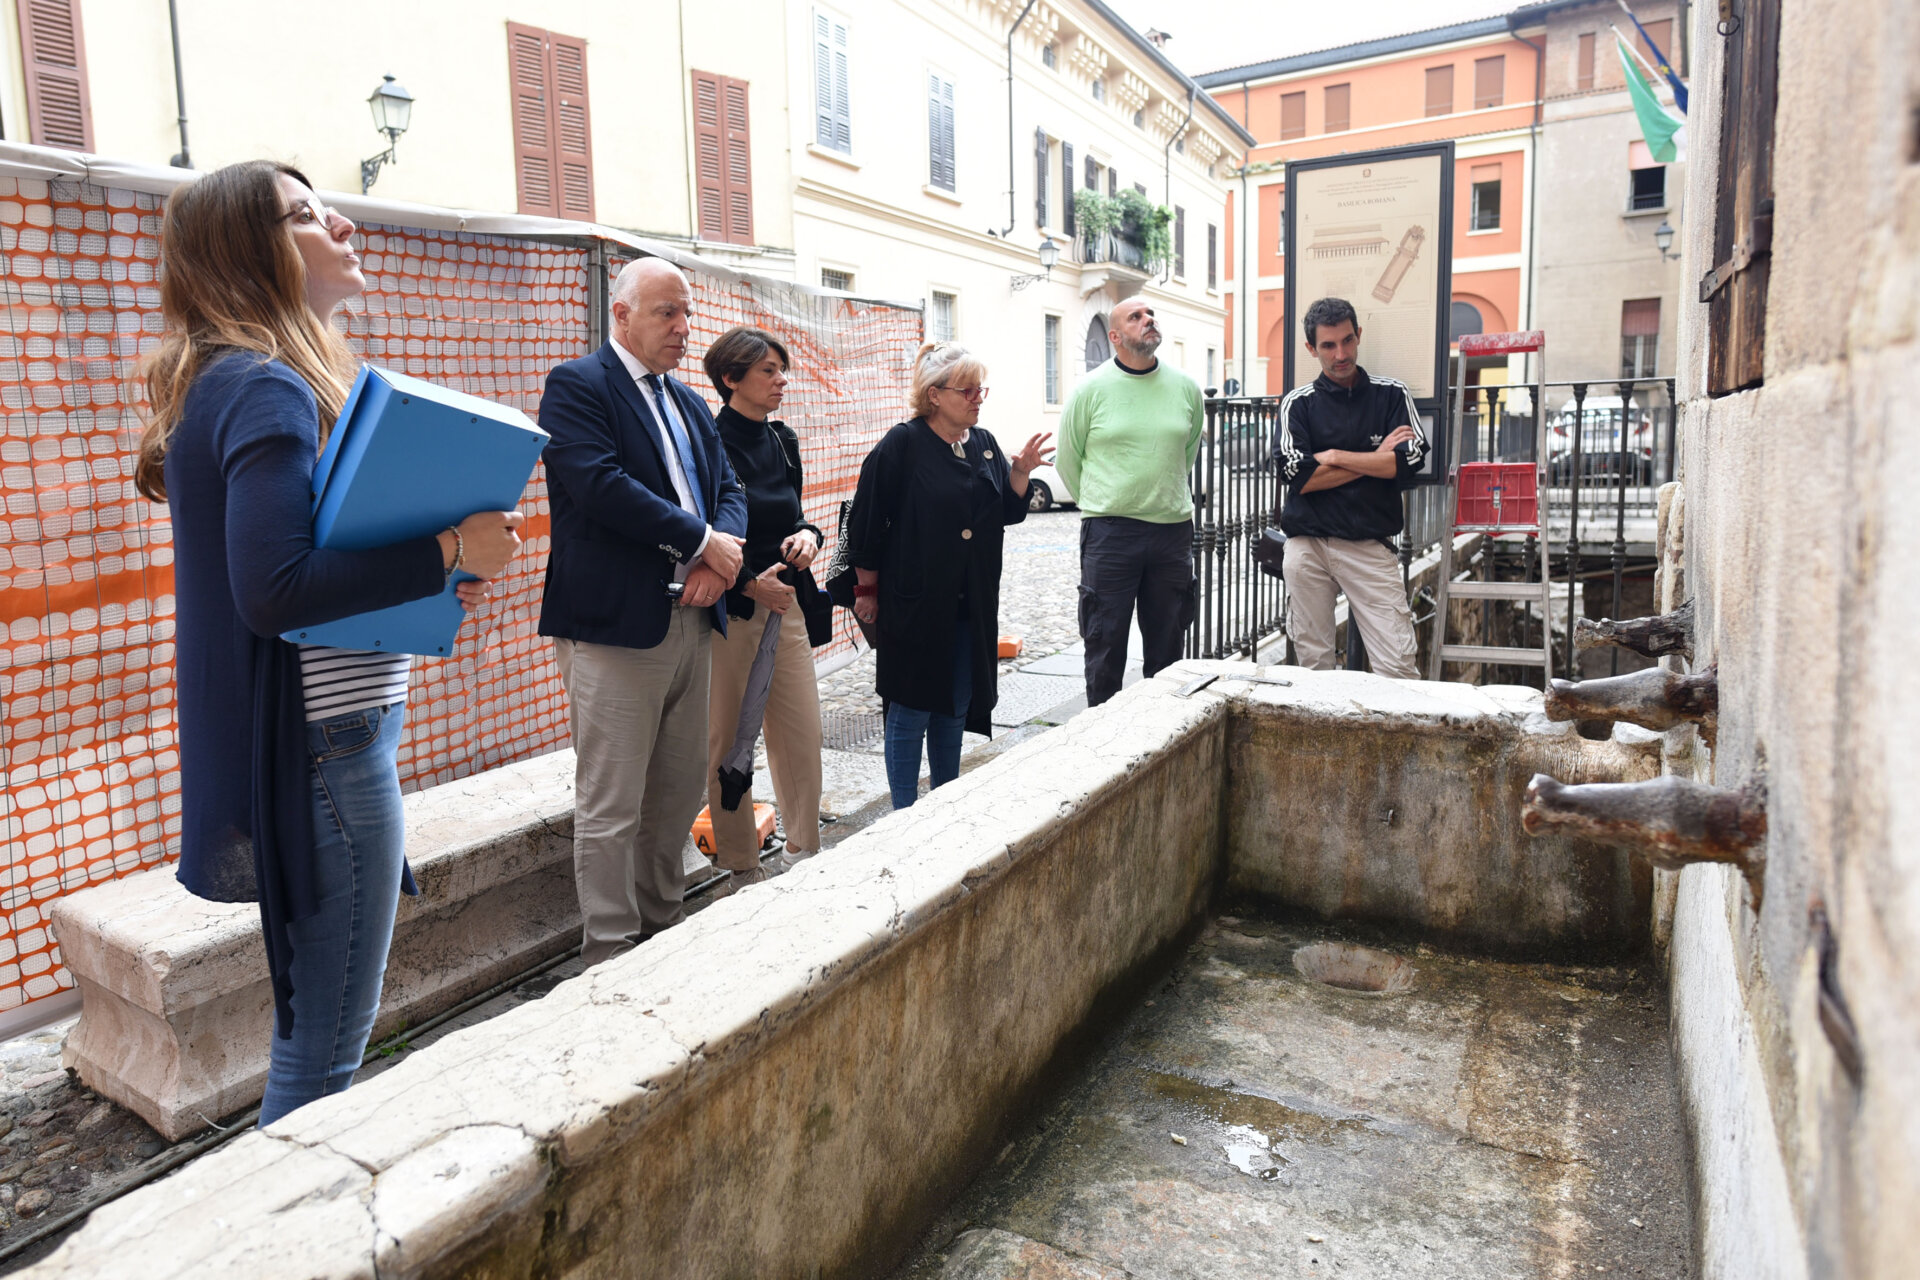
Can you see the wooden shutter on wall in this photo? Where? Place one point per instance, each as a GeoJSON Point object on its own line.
{"type": "Point", "coordinates": [833, 115]}
{"type": "Point", "coordinates": [1583, 62]}
{"type": "Point", "coordinates": [1339, 108]}
{"type": "Point", "coordinates": [1093, 174]}
{"type": "Point", "coordinates": [533, 146]}
{"type": "Point", "coordinates": [940, 167]}
{"type": "Point", "coordinates": [1293, 115]}
{"type": "Point", "coordinates": [722, 164]}
{"type": "Point", "coordinates": [1113, 181]}
{"type": "Point", "coordinates": [1440, 90]}
{"type": "Point", "coordinates": [1736, 289]}
{"type": "Point", "coordinates": [1213, 256]}
{"type": "Point", "coordinates": [59, 108]}
{"type": "Point", "coordinates": [552, 128]}
{"type": "Point", "coordinates": [572, 129]}
{"type": "Point", "coordinates": [1066, 187]}
{"type": "Point", "coordinates": [1040, 171]}
{"type": "Point", "coordinates": [1489, 82]}
{"type": "Point", "coordinates": [1179, 241]}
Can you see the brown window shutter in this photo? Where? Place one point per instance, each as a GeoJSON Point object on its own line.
{"type": "Point", "coordinates": [709, 148]}
{"type": "Point", "coordinates": [59, 109]}
{"type": "Point", "coordinates": [1583, 63]}
{"type": "Point", "coordinates": [572, 126]}
{"type": "Point", "coordinates": [1735, 291]}
{"type": "Point", "coordinates": [1293, 115]}
{"type": "Point", "coordinates": [1440, 90]}
{"type": "Point", "coordinates": [533, 147]}
{"type": "Point", "coordinates": [1489, 82]}
{"type": "Point", "coordinates": [1339, 108]}
{"type": "Point", "coordinates": [738, 173]}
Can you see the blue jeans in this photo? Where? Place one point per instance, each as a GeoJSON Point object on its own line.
{"type": "Point", "coordinates": [906, 728]}
{"type": "Point", "coordinates": [340, 953]}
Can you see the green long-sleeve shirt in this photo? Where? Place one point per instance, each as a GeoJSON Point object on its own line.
{"type": "Point", "coordinates": [1128, 441]}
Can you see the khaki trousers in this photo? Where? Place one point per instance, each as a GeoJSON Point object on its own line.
{"type": "Point", "coordinates": [793, 737]}
{"type": "Point", "coordinates": [639, 721]}
{"type": "Point", "coordinates": [1369, 573]}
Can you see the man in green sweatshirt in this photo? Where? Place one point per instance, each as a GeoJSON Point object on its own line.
{"type": "Point", "coordinates": [1128, 438]}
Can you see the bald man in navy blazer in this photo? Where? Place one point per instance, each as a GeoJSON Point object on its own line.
{"type": "Point", "coordinates": [647, 525]}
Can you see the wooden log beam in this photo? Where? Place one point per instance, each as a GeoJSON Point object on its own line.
{"type": "Point", "coordinates": [1672, 822]}
{"type": "Point", "coordinates": [1654, 699]}
{"type": "Point", "coordinates": [1660, 636]}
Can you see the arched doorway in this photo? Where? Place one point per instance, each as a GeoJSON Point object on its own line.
{"type": "Point", "coordinates": [1463, 320]}
{"type": "Point", "coordinates": [1099, 350]}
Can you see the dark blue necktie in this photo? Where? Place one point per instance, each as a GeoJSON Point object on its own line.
{"type": "Point", "coordinates": [678, 434]}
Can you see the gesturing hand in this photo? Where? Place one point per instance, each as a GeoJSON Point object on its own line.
{"type": "Point", "coordinates": [1036, 452]}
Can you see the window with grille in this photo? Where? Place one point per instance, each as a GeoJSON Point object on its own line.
{"type": "Point", "coordinates": [1489, 82]}
{"type": "Point", "coordinates": [1484, 198]}
{"type": "Point", "coordinates": [832, 278]}
{"type": "Point", "coordinates": [1639, 337]}
{"type": "Point", "coordinates": [1583, 63]}
{"type": "Point", "coordinates": [1293, 115]}
{"type": "Point", "coordinates": [940, 132]}
{"type": "Point", "coordinates": [1339, 107]}
{"type": "Point", "coordinates": [833, 114]}
{"type": "Point", "coordinates": [1649, 189]}
{"type": "Point", "coordinates": [1051, 389]}
{"type": "Point", "coordinates": [940, 327]}
{"type": "Point", "coordinates": [1440, 90]}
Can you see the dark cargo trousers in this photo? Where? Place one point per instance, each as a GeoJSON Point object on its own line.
{"type": "Point", "coordinates": [1122, 561]}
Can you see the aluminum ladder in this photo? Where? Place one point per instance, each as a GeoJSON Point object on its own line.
{"type": "Point", "coordinates": [1494, 344]}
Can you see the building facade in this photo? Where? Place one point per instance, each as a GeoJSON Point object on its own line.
{"type": "Point", "coordinates": [1474, 82]}
{"type": "Point", "coordinates": [669, 121]}
{"type": "Point", "coordinates": [1605, 293]}
{"type": "Point", "coordinates": [1557, 201]}
{"type": "Point", "coordinates": [913, 182]}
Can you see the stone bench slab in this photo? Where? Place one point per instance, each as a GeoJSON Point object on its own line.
{"type": "Point", "coordinates": [177, 1011]}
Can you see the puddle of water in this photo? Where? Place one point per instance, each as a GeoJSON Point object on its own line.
{"type": "Point", "coordinates": [1274, 1122]}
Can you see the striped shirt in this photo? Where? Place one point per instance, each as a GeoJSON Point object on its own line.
{"type": "Point", "coordinates": [336, 681]}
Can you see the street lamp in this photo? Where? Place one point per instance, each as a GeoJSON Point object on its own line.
{"type": "Point", "coordinates": [1663, 239]}
{"type": "Point", "coordinates": [392, 108]}
{"type": "Point", "coordinates": [1049, 254]}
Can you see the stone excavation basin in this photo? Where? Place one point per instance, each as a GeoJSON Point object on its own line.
{"type": "Point", "coordinates": [1420, 1042]}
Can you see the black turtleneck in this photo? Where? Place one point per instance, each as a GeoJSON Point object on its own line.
{"type": "Point", "coordinates": [773, 496]}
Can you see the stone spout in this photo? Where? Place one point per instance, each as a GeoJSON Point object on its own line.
{"type": "Point", "coordinates": [1661, 636]}
{"type": "Point", "coordinates": [1670, 821]}
{"type": "Point", "coordinates": [1654, 699]}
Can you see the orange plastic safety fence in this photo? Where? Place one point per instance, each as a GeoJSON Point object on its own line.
{"type": "Point", "coordinates": [87, 728]}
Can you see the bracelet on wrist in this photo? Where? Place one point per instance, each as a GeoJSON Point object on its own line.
{"type": "Point", "coordinates": [868, 589]}
{"type": "Point", "coordinates": [459, 552]}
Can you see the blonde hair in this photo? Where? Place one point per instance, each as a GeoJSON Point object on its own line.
{"type": "Point", "coordinates": [936, 366]}
{"type": "Point", "coordinates": [231, 278]}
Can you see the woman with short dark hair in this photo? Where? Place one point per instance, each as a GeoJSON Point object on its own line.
{"type": "Point", "coordinates": [776, 588]}
{"type": "Point", "coordinates": [290, 794]}
{"type": "Point", "coordinates": [928, 522]}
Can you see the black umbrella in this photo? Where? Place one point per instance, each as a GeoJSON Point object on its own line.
{"type": "Point", "coordinates": [736, 771]}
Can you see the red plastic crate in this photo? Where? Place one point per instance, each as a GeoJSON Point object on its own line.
{"type": "Point", "coordinates": [1498, 497]}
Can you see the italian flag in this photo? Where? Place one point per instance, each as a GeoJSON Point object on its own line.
{"type": "Point", "coordinates": [1665, 134]}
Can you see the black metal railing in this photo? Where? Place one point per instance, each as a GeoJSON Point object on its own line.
{"type": "Point", "coordinates": [1609, 447]}
{"type": "Point", "coordinates": [1124, 246]}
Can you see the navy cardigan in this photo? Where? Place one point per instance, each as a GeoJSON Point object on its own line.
{"type": "Point", "coordinates": [239, 473]}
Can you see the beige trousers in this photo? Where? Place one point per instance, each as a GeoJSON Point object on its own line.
{"type": "Point", "coordinates": [639, 721]}
{"type": "Point", "coordinates": [793, 737]}
{"type": "Point", "coordinates": [1317, 569]}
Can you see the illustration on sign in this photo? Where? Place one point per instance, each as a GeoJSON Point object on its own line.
{"type": "Point", "coordinates": [1364, 229]}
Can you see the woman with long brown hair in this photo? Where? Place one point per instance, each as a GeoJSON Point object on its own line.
{"type": "Point", "coordinates": [290, 793]}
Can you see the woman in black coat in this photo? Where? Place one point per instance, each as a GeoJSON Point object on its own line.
{"type": "Point", "coordinates": [927, 526]}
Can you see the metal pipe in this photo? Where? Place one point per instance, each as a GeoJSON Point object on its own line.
{"type": "Point", "coordinates": [1573, 514]}
{"type": "Point", "coordinates": [1011, 218]}
{"type": "Point", "coordinates": [1620, 516]}
{"type": "Point", "coordinates": [181, 161]}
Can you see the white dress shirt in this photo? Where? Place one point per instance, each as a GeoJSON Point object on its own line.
{"type": "Point", "coordinates": [676, 469]}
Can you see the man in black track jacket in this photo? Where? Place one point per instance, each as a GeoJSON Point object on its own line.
{"type": "Point", "coordinates": [1345, 446]}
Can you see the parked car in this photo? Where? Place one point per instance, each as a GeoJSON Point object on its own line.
{"type": "Point", "coordinates": [1613, 439]}
{"type": "Point", "coordinates": [1046, 490]}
